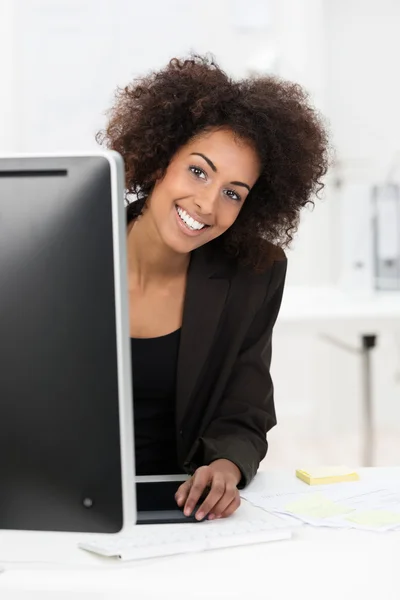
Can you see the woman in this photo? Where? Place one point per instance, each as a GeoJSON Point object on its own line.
{"type": "Point", "coordinates": [219, 171]}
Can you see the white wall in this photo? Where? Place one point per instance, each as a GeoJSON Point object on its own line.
{"type": "Point", "coordinates": [7, 66]}
{"type": "Point", "coordinates": [321, 398]}
{"type": "Point", "coordinates": [363, 105]}
{"type": "Point", "coordinates": [364, 96]}
{"type": "Point", "coordinates": [73, 54]}
{"type": "Point", "coordinates": [303, 50]}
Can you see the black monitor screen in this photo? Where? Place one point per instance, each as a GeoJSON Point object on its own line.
{"type": "Point", "coordinates": [59, 419]}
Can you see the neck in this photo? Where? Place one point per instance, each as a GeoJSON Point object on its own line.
{"type": "Point", "coordinates": [148, 258]}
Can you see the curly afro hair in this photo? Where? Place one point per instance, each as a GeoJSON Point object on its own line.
{"type": "Point", "coordinates": [156, 115]}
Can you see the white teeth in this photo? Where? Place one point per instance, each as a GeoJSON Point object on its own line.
{"type": "Point", "coordinates": [188, 220]}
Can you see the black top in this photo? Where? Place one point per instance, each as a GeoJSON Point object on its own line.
{"type": "Point", "coordinates": [154, 366]}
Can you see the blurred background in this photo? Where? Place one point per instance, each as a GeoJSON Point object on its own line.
{"type": "Point", "coordinates": [60, 62]}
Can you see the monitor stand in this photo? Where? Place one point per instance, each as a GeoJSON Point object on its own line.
{"type": "Point", "coordinates": [156, 502]}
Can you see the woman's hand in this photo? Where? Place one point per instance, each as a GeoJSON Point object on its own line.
{"type": "Point", "coordinates": [221, 477]}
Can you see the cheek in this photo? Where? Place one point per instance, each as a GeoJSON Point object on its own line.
{"type": "Point", "coordinates": [161, 200]}
{"type": "Point", "coordinates": [170, 189]}
{"type": "Point", "coordinates": [227, 215]}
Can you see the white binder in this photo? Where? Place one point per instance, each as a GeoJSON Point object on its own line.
{"type": "Point", "coordinates": [386, 219]}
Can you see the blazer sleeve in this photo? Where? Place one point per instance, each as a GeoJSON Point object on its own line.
{"type": "Point", "coordinates": [238, 431]}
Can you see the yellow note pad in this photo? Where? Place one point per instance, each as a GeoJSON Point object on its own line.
{"type": "Point", "coordinates": [322, 475]}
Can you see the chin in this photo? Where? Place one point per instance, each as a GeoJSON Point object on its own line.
{"type": "Point", "coordinates": [180, 248]}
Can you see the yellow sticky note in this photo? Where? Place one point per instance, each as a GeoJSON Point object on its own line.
{"type": "Point", "coordinates": [316, 505]}
{"type": "Point", "coordinates": [375, 518]}
{"type": "Point", "coordinates": [323, 475]}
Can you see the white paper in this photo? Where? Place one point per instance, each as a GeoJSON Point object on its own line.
{"type": "Point", "coordinates": [355, 505]}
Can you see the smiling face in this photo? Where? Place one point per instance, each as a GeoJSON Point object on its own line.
{"type": "Point", "coordinates": [202, 191]}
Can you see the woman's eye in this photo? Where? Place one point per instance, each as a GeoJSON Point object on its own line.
{"type": "Point", "coordinates": [233, 195]}
{"type": "Point", "coordinates": [197, 172]}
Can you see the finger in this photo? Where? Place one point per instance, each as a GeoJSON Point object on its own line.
{"type": "Point", "coordinates": [217, 492]}
{"type": "Point", "coordinates": [199, 482]}
{"type": "Point", "coordinates": [230, 494]}
{"type": "Point", "coordinates": [234, 505]}
{"type": "Point", "coordinates": [182, 492]}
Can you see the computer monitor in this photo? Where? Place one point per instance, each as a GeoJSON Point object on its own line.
{"type": "Point", "coordinates": [66, 423]}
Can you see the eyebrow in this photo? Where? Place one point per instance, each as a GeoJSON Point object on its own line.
{"type": "Point", "coordinates": [214, 168]}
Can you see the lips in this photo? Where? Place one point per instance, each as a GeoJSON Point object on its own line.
{"type": "Point", "coordinates": [188, 224]}
{"type": "Point", "coordinates": [189, 221]}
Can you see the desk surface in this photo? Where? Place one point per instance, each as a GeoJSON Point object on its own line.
{"type": "Point", "coordinates": [332, 304]}
{"type": "Point", "coordinates": [315, 563]}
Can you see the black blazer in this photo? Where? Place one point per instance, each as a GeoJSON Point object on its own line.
{"type": "Point", "coordinates": [224, 403]}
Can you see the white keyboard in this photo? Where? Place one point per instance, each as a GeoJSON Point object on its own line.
{"type": "Point", "coordinates": [149, 541]}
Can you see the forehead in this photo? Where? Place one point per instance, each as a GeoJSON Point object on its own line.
{"type": "Point", "coordinates": [226, 150]}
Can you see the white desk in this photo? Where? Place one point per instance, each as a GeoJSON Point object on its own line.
{"type": "Point", "coordinates": [317, 563]}
{"type": "Point", "coordinates": [328, 306]}
{"type": "Point", "coordinates": [329, 313]}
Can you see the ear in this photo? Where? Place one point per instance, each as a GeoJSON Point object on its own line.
{"type": "Point", "coordinates": [158, 175]}
{"type": "Point", "coordinates": [155, 178]}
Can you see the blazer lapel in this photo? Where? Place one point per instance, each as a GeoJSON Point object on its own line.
{"type": "Point", "coordinates": [206, 291]}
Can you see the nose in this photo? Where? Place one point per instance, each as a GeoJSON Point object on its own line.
{"type": "Point", "coordinates": [206, 202]}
